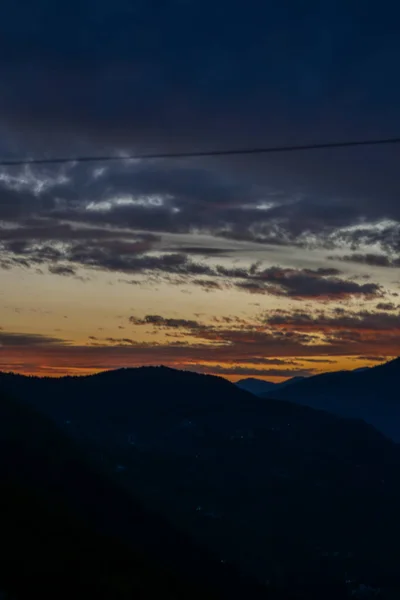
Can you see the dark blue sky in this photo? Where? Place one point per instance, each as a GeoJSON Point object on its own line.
{"type": "Point", "coordinates": [187, 68]}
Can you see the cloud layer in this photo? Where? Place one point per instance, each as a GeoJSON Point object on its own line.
{"type": "Point", "coordinates": [321, 228]}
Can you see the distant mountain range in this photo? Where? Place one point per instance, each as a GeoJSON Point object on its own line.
{"type": "Point", "coordinates": [298, 498]}
{"type": "Point", "coordinates": [372, 394]}
{"type": "Point", "coordinates": [259, 387]}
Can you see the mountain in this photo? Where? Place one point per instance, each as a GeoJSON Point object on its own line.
{"type": "Point", "coordinates": [299, 498]}
{"type": "Point", "coordinates": [289, 382]}
{"type": "Point", "coordinates": [370, 394]}
{"type": "Point", "coordinates": [255, 386]}
{"type": "Point", "coordinates": [63, 527]}
{"type": "Point", "coordinates": [260, 387]}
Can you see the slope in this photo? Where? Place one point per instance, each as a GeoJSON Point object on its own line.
{"type": "Point", "coordinates": [63, 527]}
{"type": "Point", "coordinates": [295, 496]}
{"type": "Point", "coordinates": [370, 394]}
{"type": "Point", "coordinates": [260, 387]}
{"type": "Point", "coordinates": [255, 386]}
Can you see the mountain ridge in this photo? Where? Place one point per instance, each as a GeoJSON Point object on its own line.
{"type": "Point", "coordinates": [274, 487]}
{"type": "Point", "coordinates": [258, 387]}
{"type": "Point", "coordinates": [369, 394]}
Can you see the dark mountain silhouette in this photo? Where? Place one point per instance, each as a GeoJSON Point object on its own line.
{"type": "Point", "coordinates": [290, 381]}
{"type": "Point", "coordinates": [370, 394]}
{"type": "Point", "coordinates": [260, 387]}
{"type": "Point", "coordinates": [63, 527]}
{"type": "Point", "coordinates": [297, 497]}
{"type": "Point", "coordinates": [255, 386]}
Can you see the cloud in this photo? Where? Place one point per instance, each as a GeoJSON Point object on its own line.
{"type": "Point", "coordinates": [206, 251]}
{"type": "Point", "coordinates": [373, 358]}
{"type": "Point", "coordinates": [340, 321]}
{"type": "Point", "coordinates": [364, 330]}
{"type": "Point", "coordinates": [285, 334]}
{"type": "Point", "coordinates": [383, 232]}
{"type": "Point", "coordinates": [207, 285]}
{"type": "Point", "coordinates": [324, 361]}
{"type": "Point", "coordinates": [319, 284]}
{"type": "Point", "coordinates": [386, 306]}
{"type": "Point", "coordinates": [105, 355]}
{"type": "Point", "coordinates": [284, 339]}
{"type": "Point", "coordinates": [120, 341]}
{"type": "Point", "coordinates": [372, 260]}
{"type": "Point", "coordinates": [247, 86]}
{"type": "Point", "coordinates": [114, 255]}
{"type": "Point", "coordinates": [162, 322]}
{"type": "Point", "coordinates": [27, 340]}
{"type": "Point", "coordinates": [265, 361]}
{"type": "Point", "coordinates": [140, 255]}
{"type": "Point", "coordinates": [62, 270]}
{"type": "Point", "coordinates": [267, 79]}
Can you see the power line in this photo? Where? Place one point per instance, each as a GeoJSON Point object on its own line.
{"type": "Point", "coordinates": [200, 153]}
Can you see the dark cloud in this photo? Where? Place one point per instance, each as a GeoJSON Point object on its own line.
{"type": "Point", "coordinates": [205, 251]}
{"type": "Point", "coordinates": [39, 235]}
{"type": "Point", "coordinates": [62, 270]}
{"type": "Point", "coordinates": [162, 322]}
{"type": "Point", "coordinates": [386, 306]}
{"type": "Point", "coordinates": [26, 340]}
{"type": "Point", "coordinates": [264, 361]}
{"type": "Point", "coordinates": [373, 358]}
{"type": "Point", "coordinates": [366, 321]}
{"type": "Point", "coordinates": [322, 284]}
{"type": "Point", "coordinates": [252, 287]}
{"type": "Point", "coordinates": [386, 236]}
{"type": "Point", "coordinates": [138, 256]}
{"type": "Point", "coordinates": [305, 334]}
{"type": "Point", "coordinates": [115, 255]}
{"type": "Point", "coordinates": [197, 75]}
{"type": "Point", "coordinates": [208, 285]}
{"type": "Point", "coordinates": [324, 361]}
{"type": "Point", "coordinates": [373, 260]}
{"type": "Point", "coordinates": [121, 341]}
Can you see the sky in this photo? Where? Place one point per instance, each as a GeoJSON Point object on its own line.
{"type": "Point", "coordinates": [266, 266]}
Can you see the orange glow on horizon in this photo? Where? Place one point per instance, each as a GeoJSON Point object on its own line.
{"type": "Point", "coordinates": [69, 360]}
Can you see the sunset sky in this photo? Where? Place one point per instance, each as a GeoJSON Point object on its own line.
{"type": "Point", "coordinates": [269, 265]}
